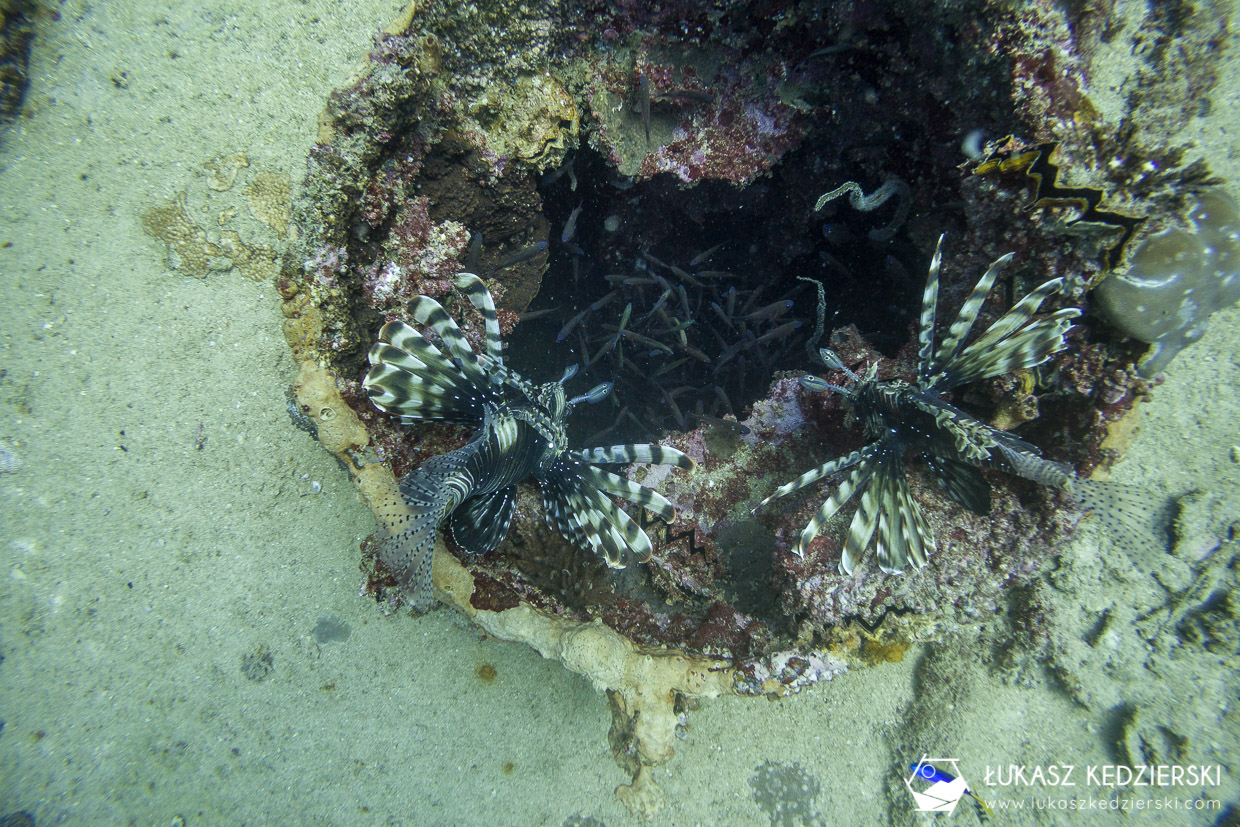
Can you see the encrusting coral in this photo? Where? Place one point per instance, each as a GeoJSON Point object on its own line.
{"type": "Point", "coordinates": [1176, 279]}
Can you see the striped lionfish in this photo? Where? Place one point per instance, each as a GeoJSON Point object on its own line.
{"type": "Point", "coordinates": [521, 434]}
{"type": "Point", "coordinates": [904, 418]}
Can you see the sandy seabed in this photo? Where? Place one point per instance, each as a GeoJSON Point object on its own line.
{"type": "Point", "coordinates": [180, 625]}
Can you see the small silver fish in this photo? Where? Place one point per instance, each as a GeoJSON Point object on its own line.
{"type": "Point", "coordinates": [771, 311]}
{"type": "Point", "coordinates": [704, 256]}
{"type": "Point", "coordinates": [643, 102]}
{"type": "Point", "coordinates": [524, 254]}
{"type": "Point", "coordinates": [570, 226]}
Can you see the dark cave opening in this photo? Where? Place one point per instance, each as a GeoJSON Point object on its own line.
{"type": "Point", "coordinates": [691, 300]}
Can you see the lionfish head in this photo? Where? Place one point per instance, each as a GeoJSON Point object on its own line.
{"type": "Point", "coordinates": [555, 401]}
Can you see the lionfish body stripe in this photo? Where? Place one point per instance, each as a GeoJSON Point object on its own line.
{"type": "Point", "coordinates": [521, 433]}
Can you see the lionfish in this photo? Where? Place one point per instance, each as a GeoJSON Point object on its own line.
{"type": "Point", "coordinates": [520, 434]}
{"type": "Point", "coordinates": [911, 418]}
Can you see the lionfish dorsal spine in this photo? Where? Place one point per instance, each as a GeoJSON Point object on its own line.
{"type": "Point", "coordinates": [480, 297]}
{"type": "Point", "coordinates": [963, 325]}
{"type": "Point", "coordinates": [929, 308]}
{"type": "Point", "coordinates": [427, 311]}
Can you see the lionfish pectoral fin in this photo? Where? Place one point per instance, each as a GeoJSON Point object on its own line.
{"type": "Point", "coordinates": [616, 533]}
{"type": "Point", "coordinates": [962, 483]}
{"type": "Point", "coordinates": [636, 493]}
{"type": "Point", "coordinates": [860, 475]}
{"type": "Point", "coordinates": [903, 533]}
{"type": "Point", "coordinates": [414, 379]}
{"type": "Point", "coordinates": [644, 453]}
{"type": "Point", "coordinates": [480, 524]}
{"type": "Point", "coordinates": [576, 495]}
{"type": "Point", "coordinates": [1013, 342]}
{"type": "Point", "coordinates": [959, 330]}
{"type": "Point", "coordinates": [480, 297]}
{"type": "Point", "coordinates": [813, 475]}
{"type": "Point", "coordinates": [860, 530]}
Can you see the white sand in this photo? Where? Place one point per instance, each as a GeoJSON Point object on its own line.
{"type": "Point", "coordinates": [139, 570]}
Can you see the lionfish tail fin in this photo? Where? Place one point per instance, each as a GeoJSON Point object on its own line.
{"type": "Point", "coordinates": [409, 523]}
{"type": "Point", "coordinates": [407, 532]}
{"type": "Point", "coordinates": [1131, 517]}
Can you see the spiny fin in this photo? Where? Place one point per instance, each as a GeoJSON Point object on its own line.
{"type": "Point", "coordinates": [476, 291]}
{"type": "Point", "coordinates": [863, 467]}
{"type": "Point", "coordinates": [634, 492]}
{"type": "Point", "coordinates": [903, 533]}
{"type": "Point", "coordinates": [653, 454]}
{"type": "Point", "coordinates": [480, 524]}
{"type": "Point", "coordinates": [1129, 516]}
{"type": "Point", "coordinates": [960, 328]}
{"type": "Point", "coordinates": [413, 379]}
{"type": "Point", "coordinates": [825, 470]}
{"type": "Point", "coordinates": [929, 308]}
{"type": "Point", "coordinates": [962, 483]}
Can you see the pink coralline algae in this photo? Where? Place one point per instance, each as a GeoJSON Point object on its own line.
{"type": "Point", "coordinates": [422, 257]}
{"type": "Point", "coordinates": [779, 414]}
{"type": "Point", "coordinates": [705, 123]}
{"type": "Point", "coordinates": [327, 265]}
{"type": "Point", "coordinates": [735, 144]}
{"type": "Point", "coordinates": [388, 183]}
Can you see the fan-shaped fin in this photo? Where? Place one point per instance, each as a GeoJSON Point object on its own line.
{"type": "Point", "coordinates": [959, 330]}
{"type": "Point", "coordinates": [429, 312]}
{"type": "Point", "coordinates": [410, 377]}
{"type": "Point", "coordinates": [1011, 343]}
{"type": "Point", "coordinates": [481, 523]}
